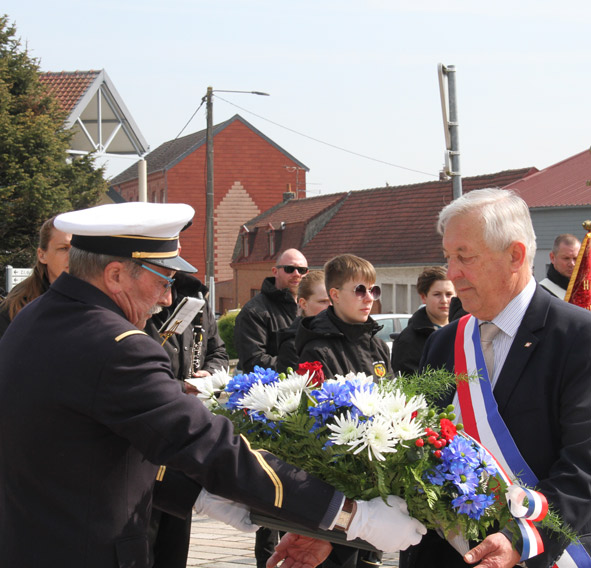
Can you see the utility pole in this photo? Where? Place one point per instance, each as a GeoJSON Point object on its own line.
{"type": "Point", "coordinates": [209, 194]}
{"type": "Point", "coordinates": [209, 265]}
{"type": "Point", "coordinates": [449, 108]}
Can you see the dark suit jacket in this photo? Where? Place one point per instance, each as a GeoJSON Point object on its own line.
{"type": "Point", "coordinates": [544, 397]}
{"type": "Point", "coordinates": [89, 409]}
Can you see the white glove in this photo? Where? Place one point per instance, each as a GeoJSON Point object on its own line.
{"type": "Point", "coordinates": [229, 512]}
{"type": "Point", "coordinates": [387, 527]}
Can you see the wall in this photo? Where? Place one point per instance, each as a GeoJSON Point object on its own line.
{"type": "Point", "coordinates": [548, 224]}
{"type": "Point", "coordinates": [399, 288]}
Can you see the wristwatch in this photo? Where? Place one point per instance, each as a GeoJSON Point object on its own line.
{"type": "Point", "coordinates": [345, 515]}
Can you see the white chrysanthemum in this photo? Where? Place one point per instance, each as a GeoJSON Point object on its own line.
{"type": "Point", "coordinates": [294, 383]}
{"type": "Point", "coordinates": [398, 407]}
{"type": "Point", "coordinates": [288, 402]}
{"type": "Point", "coordinates": [261, 398]}
{"type": "Point", "coordinates": [378, 437]}
{"type": "Point", "coordinates": [394, 404]}
{"type": "Point", "coordinates": [220, 379]}
{"type": "Point", "coordinates": [408, 428]}
{"type": "Point", "coordinates": [368, 401]}
{"type": "Point", "coordinates": [345, 430]}
{"type": "Point", "coordinates": [358, 379]}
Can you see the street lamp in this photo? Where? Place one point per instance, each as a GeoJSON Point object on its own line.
{"type": "Point", "coordinates": [209, 265]}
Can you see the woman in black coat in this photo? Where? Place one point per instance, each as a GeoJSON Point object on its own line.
{"type": "Point", "coordinates": [436, 292]}
{"type": "Point", "coordinates": [312, 299]}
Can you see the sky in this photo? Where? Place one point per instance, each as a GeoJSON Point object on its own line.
{"type": "Point", "coordinates": [354, 85]}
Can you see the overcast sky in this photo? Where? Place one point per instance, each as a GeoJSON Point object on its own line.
{"type": "Point", "coordinates": [346, 77]}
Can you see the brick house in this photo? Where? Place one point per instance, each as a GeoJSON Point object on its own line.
{"type": "Point", "coordinates": [392, 227]}
{"type": "Point", "coordinates": [559, 200]}
{"type": "Point", "coordinates": [251, 174]}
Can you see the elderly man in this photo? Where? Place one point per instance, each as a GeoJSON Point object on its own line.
{"type": "Point", "coordinates": [563, 258]}
{"type": "Point", "coordinates": [89, 415]}
{"type": "Point", "coordinates": [540, 371]}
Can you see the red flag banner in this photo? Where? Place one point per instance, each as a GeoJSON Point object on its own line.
{"type": "Point", "coordinates": [579, 287]}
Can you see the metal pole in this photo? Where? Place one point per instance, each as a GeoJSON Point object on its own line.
{"type": "Point", "coordinates": [209, 266]}
{"type": "Point", "coordinates": [142, 168]}
{"type": "Point", "coordinates": [454, 134]}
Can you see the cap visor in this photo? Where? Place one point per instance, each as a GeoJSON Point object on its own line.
{"type": "Point", "coordinates": [177, 263]}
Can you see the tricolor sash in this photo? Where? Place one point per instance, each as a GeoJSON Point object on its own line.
{"type": "Point", "coordinates": [479, 413]}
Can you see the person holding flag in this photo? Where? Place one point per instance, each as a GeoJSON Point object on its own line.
{"type": "Point", "coordinates": [579, 286]}
{"type": "Point", "coordinates": [531, 406]}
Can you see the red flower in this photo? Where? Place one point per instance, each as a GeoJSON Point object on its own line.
{"type": "Point", "coordinates": [448, 429]}
{"type": "Point", "coordinates": [314, 368]}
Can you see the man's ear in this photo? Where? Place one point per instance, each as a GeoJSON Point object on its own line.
{"type": "Point", "coordinates": [113, 276]}
{"type": "Point", "coordinates": [518, 255]}
{"type": "Point", "coordinates": [274, 270]}
{"type": "Point", "coordinates": [333, 294]}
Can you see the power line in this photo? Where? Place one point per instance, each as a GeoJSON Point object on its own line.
{"type": "Point", "coordinates": [328, 143]}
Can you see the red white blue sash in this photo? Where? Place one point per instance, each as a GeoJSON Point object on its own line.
{"type": "Point", "coordinates": [480, 416]}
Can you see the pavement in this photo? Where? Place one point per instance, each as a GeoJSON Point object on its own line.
{"type": "Point", "coordinates": [217, 545]}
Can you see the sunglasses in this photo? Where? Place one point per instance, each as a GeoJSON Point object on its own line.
{"type": "Point", "coordinates": [290, 269]}
{"type": "Point", "coordinates": [361, 290]}
{"type": "Point", "coordinates": [169, 281]}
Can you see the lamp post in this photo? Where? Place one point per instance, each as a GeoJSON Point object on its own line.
{"type": "Point", "coordinates": [209, 265]}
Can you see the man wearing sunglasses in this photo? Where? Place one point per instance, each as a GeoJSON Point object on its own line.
{"type": "Point", "coordinates": [274, 308]}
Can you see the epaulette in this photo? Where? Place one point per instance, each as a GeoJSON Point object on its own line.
{"type": "Point", "coordinates": [128, 333]}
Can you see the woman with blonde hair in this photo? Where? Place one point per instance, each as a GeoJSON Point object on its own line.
{"type": "Point", "coordinates": [52, 260]}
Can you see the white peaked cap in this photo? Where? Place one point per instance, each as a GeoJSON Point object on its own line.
{"type": "Point", "coordinates": [147, 231]}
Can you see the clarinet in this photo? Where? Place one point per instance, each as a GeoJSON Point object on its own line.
{"type": "Point", "coordinates": [197, 346]}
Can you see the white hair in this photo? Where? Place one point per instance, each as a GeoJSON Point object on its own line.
{"type": "Point", "coordinates": [505, 215]}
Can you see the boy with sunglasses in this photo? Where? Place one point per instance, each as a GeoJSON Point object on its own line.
{"type": "Point", "coordinates": [343, 337]}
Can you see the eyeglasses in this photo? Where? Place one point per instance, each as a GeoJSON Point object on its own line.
{"type": "Point", "coordinates": [361, 290]}
{"type": "Point", "coordinates": [169, 281]}
{"type": "Point", "coordinates": [290, 269]}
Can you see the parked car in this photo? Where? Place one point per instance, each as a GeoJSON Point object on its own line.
{"type": "Point", "coordinates": [393, 325]}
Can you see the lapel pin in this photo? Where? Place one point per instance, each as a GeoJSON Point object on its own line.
{"type": "Point", "coordinates": [528, 344]}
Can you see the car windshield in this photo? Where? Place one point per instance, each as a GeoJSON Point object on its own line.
{"type": "Point", "coordinates": [391, 325]}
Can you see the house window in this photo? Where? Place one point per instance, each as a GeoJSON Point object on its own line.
{"type": "Point", "coordinates": [245, 247]}
{"type": "Point", "coordinates": [245, 235]}
{"type": "Point", "coordinates": [401, 298]}
{"type": "Point", "coordinates": [271, 239]}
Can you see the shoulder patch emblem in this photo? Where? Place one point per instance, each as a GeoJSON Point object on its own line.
{"type": "Point", "coordinates": [128, 333]}
{"type": "Point", "coordinates": [379, 370]}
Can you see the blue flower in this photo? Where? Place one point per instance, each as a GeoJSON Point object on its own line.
{"type": "Point", "coordinates": [461, 449]}
{"type": "Point", "coordinates": [436, 476]}
{"type": "Point", "coordinates": [486, 462]}
{"type": "Point", "coordinates": [241, 384]}
{"type": "Point", "coordinates": [473, 505]}
{"type": "Point", "coordinates": [463, 476]}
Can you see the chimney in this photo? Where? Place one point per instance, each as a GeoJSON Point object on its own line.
{"type": "Point", "coordinates": [287, 195]}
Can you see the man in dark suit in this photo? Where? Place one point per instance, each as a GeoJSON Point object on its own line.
{"type": "Point", "coordinates": [540, 371]}
{"type": "Point", "coordinates": [90, 412]}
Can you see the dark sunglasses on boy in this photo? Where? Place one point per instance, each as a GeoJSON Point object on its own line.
{"type": "Point", "coordinates": [290, 269]}
{"type": "Point", "coordinates": [361, 290]}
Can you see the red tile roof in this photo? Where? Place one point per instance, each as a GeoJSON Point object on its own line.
{"type": "Point", "coordinates": [68, 87]}
{"type": "Point", "coordinates": [388, 226]}
{"type": "Point", "coordinates": [567, 183]}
